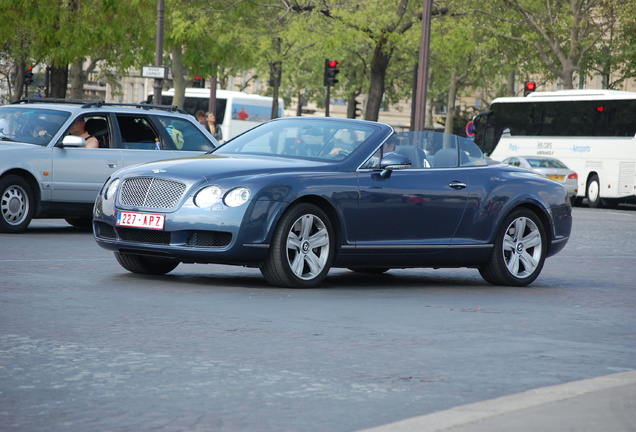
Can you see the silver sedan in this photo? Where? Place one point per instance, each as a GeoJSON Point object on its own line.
{"type": "Point", "coordinates": [549, 167]}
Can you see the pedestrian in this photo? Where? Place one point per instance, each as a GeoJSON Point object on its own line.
{"type": "Point", "coordinates": [200, 115]}
{"type": "Point", "coordinates": [212, 127]}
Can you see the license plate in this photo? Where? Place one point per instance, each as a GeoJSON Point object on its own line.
{"type": "Point", "coordinates": [556, 177]}
{"type": "Point", "coordinates": [141, 220]}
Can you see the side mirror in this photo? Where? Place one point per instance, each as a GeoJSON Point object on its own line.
{"type": "Point", "coordinates": [393, 161]}
{"type": "Point", "coordinates": [73, 141]}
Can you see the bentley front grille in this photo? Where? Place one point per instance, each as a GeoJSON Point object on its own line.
{"type": "Point", "coordinates": [151, 192]}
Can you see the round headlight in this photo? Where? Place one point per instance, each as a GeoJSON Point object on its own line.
{"type": "Point", "coordinates": [207, 197]}
{"type": "Point", "coordinates": [237, 197]}
{"type": "Point", "coordinates": [111, 189]}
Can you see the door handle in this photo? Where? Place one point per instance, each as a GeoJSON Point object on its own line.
{"type": "Point", "coordinates": [457, 185]}
{"type": "Point", "coordinates": [112, 164]}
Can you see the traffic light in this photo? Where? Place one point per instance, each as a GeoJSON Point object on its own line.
{"type": "Point", "coordinates": [198, 82]}
{"type": "Point", "coordinates": [357, 109]}
{"type": "Point", "coordinates": [529, 87]}
{"type": "Point", "coordinates": [28, 76]}
{"type": "Point", "coordinates": [331, 70]}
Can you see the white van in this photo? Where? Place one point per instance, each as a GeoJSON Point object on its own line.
{"type": "Point", "coordinates": [236, 111]}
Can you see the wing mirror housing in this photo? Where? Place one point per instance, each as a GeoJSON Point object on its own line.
{"type": "Point", "coordinates": [73, 141]}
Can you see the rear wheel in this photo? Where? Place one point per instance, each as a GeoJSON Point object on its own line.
{"type": "Point", "coordinates": [302, 248]}
{"type": "Point", "coordinates": [16, 204]}
{"type": "Point", "coordinates": [519, 252]}
{"type": "Point", "coordinates": [593, 192]}
{"type": "Point", "coordinates": [144, 264]}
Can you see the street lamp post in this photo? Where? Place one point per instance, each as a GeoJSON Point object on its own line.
{"type": "Point", "coordinates": [422, 74]}
{"type": "Point", "coordinates": [156, 97]}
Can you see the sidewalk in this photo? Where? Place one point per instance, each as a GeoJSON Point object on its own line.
{"type": "Point", "coordinates": [604, 404]}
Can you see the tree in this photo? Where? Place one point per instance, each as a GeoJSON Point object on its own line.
{"type": "Point", "coordinates": [562, 33]}
{"type": "Point", "coordinates": [58, 33]}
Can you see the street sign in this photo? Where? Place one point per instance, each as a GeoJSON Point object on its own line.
{"type": "Point", "coordinates": [470, 130]}
{"type": "Point", "coordinates": [154, 72]}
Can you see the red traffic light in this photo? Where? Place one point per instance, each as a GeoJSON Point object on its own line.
{"type": "Point", "coordinates": [331, 70]}
{"type": "Point", "coordinates": [529, 87]}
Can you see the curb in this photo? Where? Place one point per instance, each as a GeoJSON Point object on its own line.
{"type": "Point", "coordinates": [480, 411]}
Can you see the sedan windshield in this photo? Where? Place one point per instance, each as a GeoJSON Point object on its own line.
{"type": "Point", "coordinates": [313, 138]}
{"type": "Point", "coordinates": [33, 126]}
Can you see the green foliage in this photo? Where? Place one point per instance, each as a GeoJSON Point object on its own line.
{"type": "Point", "coordinates": [474, 44]}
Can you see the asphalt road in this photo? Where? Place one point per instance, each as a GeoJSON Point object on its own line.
{"type": "Point", "coordinates": [87, 346]}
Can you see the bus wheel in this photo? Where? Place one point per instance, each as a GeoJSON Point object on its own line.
{"type": "Point", "coordinates": [593, 192]}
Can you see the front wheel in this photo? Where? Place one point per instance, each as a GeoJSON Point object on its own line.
{"type": "Point", "coordinates": [144, 264]}
{"type": "Point", "coordinates": [519, 252]}
{"type": "Point", "coordinates": [16, 204]}
{"type": "Point", "coordinates": [302, 248]}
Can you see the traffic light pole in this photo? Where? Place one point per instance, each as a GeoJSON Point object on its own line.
{"type": "Point", "coordinates": [328, 102]}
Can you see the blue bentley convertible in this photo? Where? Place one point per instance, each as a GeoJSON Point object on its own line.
{"type": "Point", "coordinates": [298, 196]}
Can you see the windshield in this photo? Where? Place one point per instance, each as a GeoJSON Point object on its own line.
{"type": "Point", "coordinates": [312, 138]}
{"type": "Point", "coordinates": [33, 125]}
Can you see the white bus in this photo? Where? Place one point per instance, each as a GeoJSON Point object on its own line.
{"type": "Point", "coordinates": [236, 111]}
{"type": "Point", "coordinates": [591, 131]}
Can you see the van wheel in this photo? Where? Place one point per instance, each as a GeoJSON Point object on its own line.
{"type": "Point", "coordinates": [16, 204]}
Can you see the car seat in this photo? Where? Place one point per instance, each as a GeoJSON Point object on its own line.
{"type": "Point", "coordinates": [447, 157]}
{"type": "Point", "coordinates": [414, 153]}
{"type": "Point", "coordinates": [98, 128]}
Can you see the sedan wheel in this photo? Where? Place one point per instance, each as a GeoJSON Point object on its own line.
{"type": "Point", "coordinates": [302, 248]}
{"type": "Point", "coordinates": [519, 251]}
{"type": "Point", "coordinates": [144, 264]}
{"type": "Point", "coordinates": [16, 204]}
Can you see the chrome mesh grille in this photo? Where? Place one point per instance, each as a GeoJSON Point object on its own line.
{"type": "Point", "coordinates": [151, 192]}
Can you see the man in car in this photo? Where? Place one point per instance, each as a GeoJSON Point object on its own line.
{"type": "Point", "coordinates": [78, 128]}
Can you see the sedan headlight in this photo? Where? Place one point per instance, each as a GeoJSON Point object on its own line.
{"type": "Point", "coordinates": [207, 197]}
{"type": "Point", "coordinates": [237, 197]}
{"type": "Point", "coordinates": [111, 189]}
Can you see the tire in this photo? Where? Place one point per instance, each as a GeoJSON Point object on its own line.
{"type": "Point", "coordinates": [80, 222]}
{"type": "Point", "coordinates": [16, 204]}
{"type": "Point", "coordinates": [144, 264]}
{"type": "Point", "coordinates": [519, 252]}
{"type": "Point", "coordinates": [593, 192]}
{"type": "Point", "coordinates": [302, 248]}
{"type": "Point", "coordinates": [370, 270]}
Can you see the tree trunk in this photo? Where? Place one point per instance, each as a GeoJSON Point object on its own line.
{"type": "Point", "coordinates": [59, 81]}
{"type": "Point", "coordinates": [379, 65]}
{"type": "Point", "coordinates": [276, 73]}
{"type": "Point", "coordinates": [19, 82]}
{"type": "Point", "coordinates": [452, 96]}
{"type": "Point", "coordinates": [178, 78]}
{"type": "Point", "coordinates": [78, 79]}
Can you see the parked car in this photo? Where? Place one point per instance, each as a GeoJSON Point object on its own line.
{"type": "Point", "coordinates": [47, 173]}
{"type": "Point", "coordinates": [550, 167]}
{"type": "Point", "coordinates": [297, 196]}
